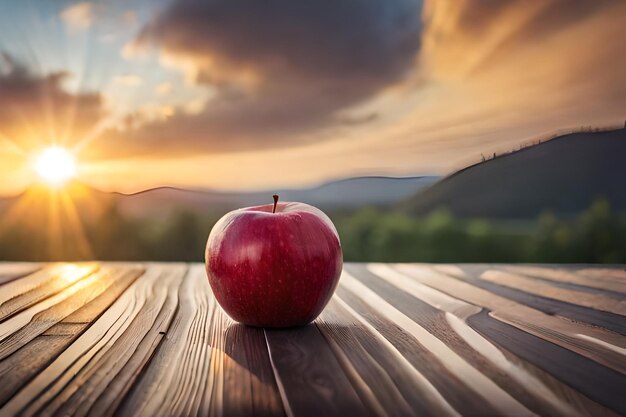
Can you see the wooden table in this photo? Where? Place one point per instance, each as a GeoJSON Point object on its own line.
{"type": "Point", "coordinates": [408, 339]}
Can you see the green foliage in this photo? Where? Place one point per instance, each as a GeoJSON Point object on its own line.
{"type": "Point", "coordinates": [597, 235]}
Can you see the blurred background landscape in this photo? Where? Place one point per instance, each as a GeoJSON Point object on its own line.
{"type": "Point", "coordinates": [562, 200]}
{"type": "Point", "coordinates": [438, 131]}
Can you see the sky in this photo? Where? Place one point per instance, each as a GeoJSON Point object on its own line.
{"type": "Point", "coordinates": [249, 94]}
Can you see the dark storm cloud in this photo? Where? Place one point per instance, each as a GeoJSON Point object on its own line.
{"type": "Point", "coordinates": [281, 66]}
{"type": "Point", "coordinates": [359, 41]}
{"type": "Point", "coordinates": [35, 107]}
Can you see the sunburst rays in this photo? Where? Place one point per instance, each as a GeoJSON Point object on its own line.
{"type": "Point", "coordinates": [52, 220]}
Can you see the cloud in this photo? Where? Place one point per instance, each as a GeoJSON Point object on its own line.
{"type": "Point", "coordinates": [79, 16]}
{"type": "Point", "coordinates": [539, 20]}
{"type": "Point", "coordinates": [129, 80]}
{"type": "Point", "coordinates": [496, 74]}
{"type": "Point", "coordinates": [278, 68]}
{"type": "Point", "coordinates": [129, 17]}
{"type": "Point", "coordinates": [35, 109]}
{"type": "Point", "coordinates": [420, 87]}
{"type": "Point", "coordinates": [472, 36]}
{"type": "Point", "coordinates": [164, 88]}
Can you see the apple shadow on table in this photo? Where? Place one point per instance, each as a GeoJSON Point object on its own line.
{"type": "Point", "coordinates": [249, 347]}
{"type": "Point", "coordinates": [248, 371]}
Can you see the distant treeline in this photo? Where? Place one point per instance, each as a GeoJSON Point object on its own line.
{"type": "Point", "coordinates": [597, 235]}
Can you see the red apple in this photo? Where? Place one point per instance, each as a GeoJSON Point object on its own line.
{"type": "Point", "coordinates": [274, 265]}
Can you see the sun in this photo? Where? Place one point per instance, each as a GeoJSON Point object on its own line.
{"type": "Point", "coordinates": [55, 165]}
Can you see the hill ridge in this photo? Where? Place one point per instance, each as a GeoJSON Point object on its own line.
{"type": "Point", "coordinates": [563, 174]}
{"type": "Point", "coordinates": [559, 134]}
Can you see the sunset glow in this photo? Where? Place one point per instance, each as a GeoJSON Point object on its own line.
{"type": "Point", "coordinates": [190, 94]}
{"type": "Point", "coordinates": [55, 165]}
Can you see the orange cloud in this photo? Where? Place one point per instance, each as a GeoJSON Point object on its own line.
{"type": "Point", "coordinates": [79, 16]}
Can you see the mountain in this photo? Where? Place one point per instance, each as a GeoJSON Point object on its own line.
{"type": "Point", "coordinates": [564, 175]}
{"type": "Point", "coordinates": [347, 194]}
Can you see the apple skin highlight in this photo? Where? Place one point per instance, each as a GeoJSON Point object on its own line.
{"type": "Point", "coordinates": [274, 269]}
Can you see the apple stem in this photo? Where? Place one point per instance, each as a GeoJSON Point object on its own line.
{"type": "Point", "coordinates": [275, 196]}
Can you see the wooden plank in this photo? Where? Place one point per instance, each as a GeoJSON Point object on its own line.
{"type": "Point", "coordinates": [101, 385]}
{"type": "Point", "coordinates": [523, 325]}
{"type": "Point", "coordinates": [598, 383]}
{"type": "Point", "coordinates": [534, 387]}
{"type": "Point", "coordinates": [39, 286]}
{"type": "Point", "coordinates": [23, 318]}
{"type": "Point", "coordinates": [519, 282]}
{"type": "Point", "coordinates": [29, 282]}
{"type": "Point", "coordinates": [13, 270]}
{"type": "Point", "coordinates": [310, 379]}
{"type": "Point", "coordinates": [602, 319]}
{"type": "Point", "coordinates": [117, 345]}
{"type": "Point", "coordinates": [436, 299]}
{"type": "Point", "coordinates": [509, 374]}
{"type": "Point", "coordinates": [537, 390]}
{"type": "Point", "coordinates": [394, 340]}
{"type": "Point", "coordinates": [71, 299]}
{"type": "Point", "coordinates": [383, 377]}
{"type": "Point", "coordinates": [249, 385]}
{"type": "Point", "coordinates": [615, 274]}
{"type": "Point", "coordinates": [178, 380]}
{"type": "Point", "coordinates": [600, 279]}
{"type": "Point", "coordinates": [23, 365]}
{"type": "Point", "coordinates": [429, 327]}
{"type": "Point", "coordinates": [594, 343]}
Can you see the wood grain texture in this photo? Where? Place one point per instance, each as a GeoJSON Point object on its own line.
{"type": "Point", "coordinates": [21, 366]}
{"type": "Point", "coordinates": [558, 331]}
{"type": "Point", "coordinates": [14, 270]}
{"type": "Point", "coordinates": [536, 389]}
{"type": "Point", "coordinates": [506, 372]}
{"type": "Point", "coordinates": [78, 295]}
{"type": "Point", "coordinates": [145, 339]}
{"type": "Point", "coordinates": [599, 384]}
{"type": "Point", "coordinates": [309, 376]}
{"type": "Point", "coordinates": [608, 283]}
{"type": "Point", "coordinates": [595, 343]}
{"type": "Point", "coordinates": [522, 283]}
{"type": "Point", "coordinates": [613, 278]}
{"type": "Point", "coordinates": [570, 310]}
{"type": "Point", "coordinates": [37, 287]}
{"type": "Point", "coordinates": [428, 325]}
{"type": "Point", "coordinates": [206, 364]}
{"type": "Point", "coordinates": [116, 338]}
{"type": "Point", "coordinates": [181, 376]}
{"type": "Point", "coordinates": [384, 376]}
